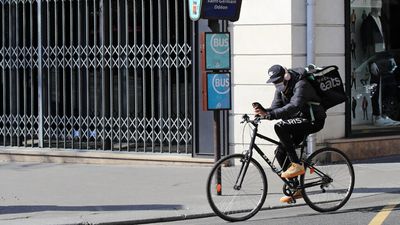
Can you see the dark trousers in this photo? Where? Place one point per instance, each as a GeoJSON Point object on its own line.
{"type": "Point", "coordinates": [291, 132]}
{"type": "Point", "coordinates": [385, 66]}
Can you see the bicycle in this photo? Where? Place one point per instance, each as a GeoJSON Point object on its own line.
{"type": "Point", "coordinates": [237, 184]}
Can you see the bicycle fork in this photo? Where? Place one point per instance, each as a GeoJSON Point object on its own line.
{"type": "Point", "coordinates": [243, 170]}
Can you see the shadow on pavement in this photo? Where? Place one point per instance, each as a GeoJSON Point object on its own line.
{"type": "Point", "coordinates": [386, 159]}
{"type": "Point", "coordinates": [393, 190]}
{"type": "Point", "coordinates": [374, 209]}
{"type": "Point", "coordinates": [14, 209]}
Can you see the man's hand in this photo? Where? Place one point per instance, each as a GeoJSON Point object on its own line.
{"type": "Point", "coordinates": [374, 69]}
{"type": "Point", "coordinates": [259, 110]}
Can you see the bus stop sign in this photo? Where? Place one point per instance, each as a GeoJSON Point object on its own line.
{"type": "Point", "coordinates": [218, 91]}
{"type": "Point", "coordinates": [221, 9]}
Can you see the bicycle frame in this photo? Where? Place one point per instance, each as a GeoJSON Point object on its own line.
{"type": "Point", "coordinates": [325, 179]}
{"type": "Point", "coordinates": [237, 185]}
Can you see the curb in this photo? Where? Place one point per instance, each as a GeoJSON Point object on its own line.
{"type": "Point", "coordinates": [97, 157]}
{"type": "Point", "coordinates": [186, 217]}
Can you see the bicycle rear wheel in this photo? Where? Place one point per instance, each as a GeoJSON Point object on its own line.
{"type": "Point", "coordinates": [328, 181]}
{"type": "Point", "coordinates": [230, 201]}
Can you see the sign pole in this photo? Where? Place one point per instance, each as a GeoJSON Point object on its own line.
{"type": "Point", "coordinates": [214, 26]}
{"type": "Point", "coordinates": [217, 135]}
{"type": "Point", "coordinates": [220, 58]}
{"type": "Point", "coordinates": [217, 147]}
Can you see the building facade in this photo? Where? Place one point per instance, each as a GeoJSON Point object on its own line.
{"type": "Point", "coordinates": [96, 75]}
{"type": "Point", "coordinates": [124, 75]}
{"type": "Point", "coordinates": [275, 32]}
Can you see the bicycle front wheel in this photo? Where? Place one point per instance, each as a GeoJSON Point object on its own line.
{"type": "Point", "coordinates": [329, 180]}
{"type": "Point", "coordinates": [236, 188]}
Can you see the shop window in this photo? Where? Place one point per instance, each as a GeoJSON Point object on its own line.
{"type": "Point", "coordinates": [375, 65]}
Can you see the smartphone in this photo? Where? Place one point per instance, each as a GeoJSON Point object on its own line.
{"type": "Point", "coordinates": [257, 105]}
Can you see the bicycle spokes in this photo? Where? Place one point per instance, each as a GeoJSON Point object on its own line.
{"type": "Point", "coordinates": [242, 188]}
{"type": "Point", "coordinates": [328, 181]}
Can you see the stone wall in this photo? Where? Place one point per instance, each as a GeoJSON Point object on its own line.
{"type": "Point", "coordinates": [367, 148]}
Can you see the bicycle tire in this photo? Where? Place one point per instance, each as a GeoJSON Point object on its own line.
{"type": "Point", "coordinates": [333, 194]}
{"type": "Point", "coordinates": [231, 204]}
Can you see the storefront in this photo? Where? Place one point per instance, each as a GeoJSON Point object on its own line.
{"type": "Point", "coordinates": [277, 34]}
{"type": "Point", "coordinates": [124, 75]}
{"type": "Point", "coordinates": [373, 71]}
{"type": "Point", "coordinates": [97, 75]}
{"type": "Point", "coordinates": [102, 76]}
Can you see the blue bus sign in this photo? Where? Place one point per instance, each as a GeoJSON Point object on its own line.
{"type": "Point", "coordinates": [218, 91]}
{"type": "Point", "coordinates": [221, 9]}
{"type": "Point", "coordinates": [218, 51]}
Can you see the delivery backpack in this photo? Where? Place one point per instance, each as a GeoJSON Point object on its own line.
{"type": "Point", "coordinates": [328, 85]}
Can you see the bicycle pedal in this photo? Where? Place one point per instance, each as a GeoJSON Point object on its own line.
{"type": "Point", "coordinates": [294, 183]}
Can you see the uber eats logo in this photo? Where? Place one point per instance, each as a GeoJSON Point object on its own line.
{"type": "Point", "coordinates": [327, 83]}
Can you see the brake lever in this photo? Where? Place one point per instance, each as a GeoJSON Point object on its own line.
{"type": "Point", "coordinates": [245, 118]}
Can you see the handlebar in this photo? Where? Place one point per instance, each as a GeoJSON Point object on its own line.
{"type": "Point", "coordinates": [246, 119]}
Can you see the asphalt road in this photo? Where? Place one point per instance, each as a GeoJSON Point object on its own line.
{"type": "Point", "coordinates": [45, 193]}
{"type": "Point", "coordinates": [371, 210]}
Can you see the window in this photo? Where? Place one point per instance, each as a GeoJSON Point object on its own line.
{"type": "Point", "coordinates": [110, 75]}
{"type": "Point", "coordinates": [375, 65]}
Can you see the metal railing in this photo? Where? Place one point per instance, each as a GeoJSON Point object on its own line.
{"type": "Point", "coordinates": [96, 74]}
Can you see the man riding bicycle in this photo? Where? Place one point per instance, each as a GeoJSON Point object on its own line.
{"type": "Point", "coordinates": [296, 103]}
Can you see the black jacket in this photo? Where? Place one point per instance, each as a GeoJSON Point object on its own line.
{"type": "Point", "coordinates": [371, 35]}
{"type": "Point", "coordinates": [294, 101]}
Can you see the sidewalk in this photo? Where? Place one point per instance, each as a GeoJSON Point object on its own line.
{"type": "Point", "coordinates": [104, 194]}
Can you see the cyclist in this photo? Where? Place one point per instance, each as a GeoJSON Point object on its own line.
{"type": "Point", "coordinates": [296, 103]}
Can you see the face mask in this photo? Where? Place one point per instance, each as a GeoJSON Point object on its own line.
{"type": "Point", "coordinates": [280, 86]}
